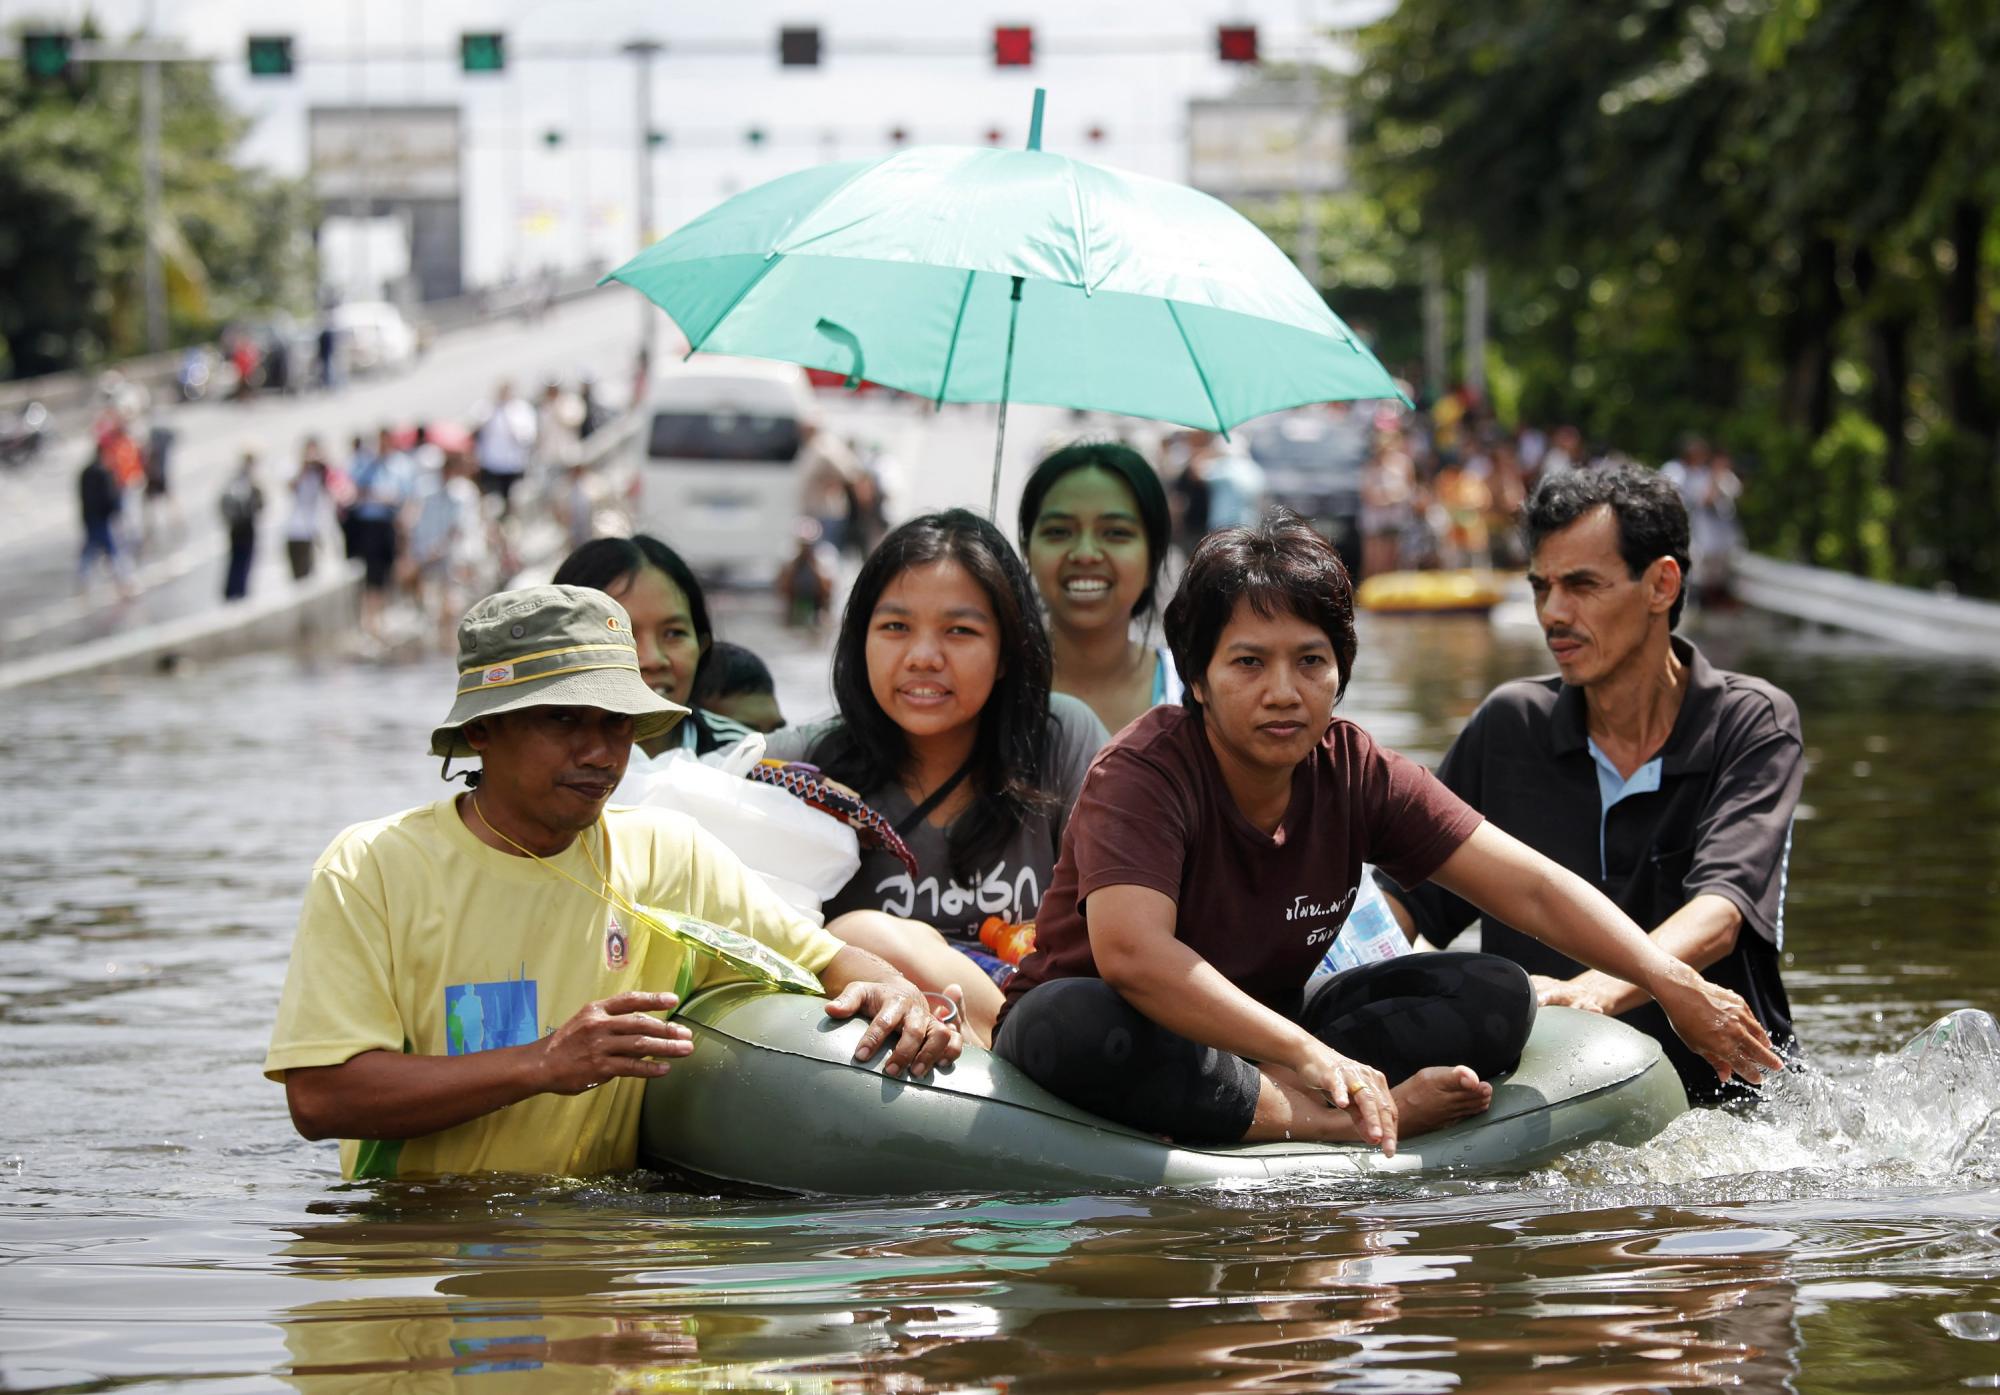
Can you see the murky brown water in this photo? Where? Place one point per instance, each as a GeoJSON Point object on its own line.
{"type": "Point", "coordinates": [161, 1224]}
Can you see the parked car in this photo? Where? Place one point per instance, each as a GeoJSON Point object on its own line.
{"type": "Point", "coordinates": [1312, 459]}
{"type": "Point", "coordinates": [720, 468]}
{"type": "Point", "coordinates": [374, 335]}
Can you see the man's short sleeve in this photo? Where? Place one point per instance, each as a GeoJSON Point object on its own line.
{"type": "Point", "coordinates": [1130, 827]}
{"type": "Point", "coordinates": [339, 999]}
{"type": "Point", "coordinates": [1744, 835]}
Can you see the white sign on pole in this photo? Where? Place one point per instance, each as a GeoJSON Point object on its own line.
{"type": "Point", "coordinates": [384, 152]}
{"type": "Point", "coordinates": [1255, 148]}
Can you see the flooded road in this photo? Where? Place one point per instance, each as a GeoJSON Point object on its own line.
{"type": "Point", "coordinates": [162, 1225]}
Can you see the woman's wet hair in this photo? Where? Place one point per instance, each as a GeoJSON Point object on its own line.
{"type": "Point", "coordinates": [732, 671]}
{"type": "Point", "coordinates": [1114, 458]}
{"type": "Point", "coordinates": [1652, 519]}
{"type": "Point", "coordinates": [1010, 755]}
{"type": "Point", "coordinates": [603, 563]}
{"type": "Point", "coordinates": [1282, 566]}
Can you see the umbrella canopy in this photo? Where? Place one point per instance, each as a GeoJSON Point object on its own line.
{"type": "Point", "coordinates": [1116, 292]}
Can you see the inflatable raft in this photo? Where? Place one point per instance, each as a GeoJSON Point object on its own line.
{"type": "Point", "coordinates": [773, 1100]}
{"type": "Point", "coordinates": [1430, 593]}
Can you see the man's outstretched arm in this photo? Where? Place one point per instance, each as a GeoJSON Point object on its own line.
{"type": "Point", "coordinates": [388, 1094]}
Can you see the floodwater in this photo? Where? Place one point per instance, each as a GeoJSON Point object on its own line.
{"type": "Point", "coordinates": [160, 1223]}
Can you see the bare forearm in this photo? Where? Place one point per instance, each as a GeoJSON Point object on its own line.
{"type": "Point", "coordinates": [1508, 880]}
{"type": "Point", "coordinates": [1698, 934]}
{"type": "Point", "coordinates": [1183, 992]}
{"type": "Point", "coordinates": [385, 1094]}
{"type": "Point", "coordinates": [856, 965]}
{"type": "Point", "coordinates": [1583, 923]}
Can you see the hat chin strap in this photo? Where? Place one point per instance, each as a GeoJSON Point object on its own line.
{"type": "Point", "coordinates": [470, 775]}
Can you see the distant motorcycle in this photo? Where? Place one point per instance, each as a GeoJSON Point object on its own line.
{"type": "Point", "coordinates": [24, 434]}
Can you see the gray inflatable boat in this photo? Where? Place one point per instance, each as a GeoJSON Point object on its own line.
{"type": "Point", "coordinates": [772, 1100]}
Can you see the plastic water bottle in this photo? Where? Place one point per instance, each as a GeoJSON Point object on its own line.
{"type": "Point", "coordinates": [1370, 935]}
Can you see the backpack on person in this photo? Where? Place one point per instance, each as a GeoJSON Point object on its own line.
{"type": "Point", "coordinates": [240, 503]}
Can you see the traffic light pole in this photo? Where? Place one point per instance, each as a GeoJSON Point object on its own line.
{"type": "Point", "coordinates": [149, 148]}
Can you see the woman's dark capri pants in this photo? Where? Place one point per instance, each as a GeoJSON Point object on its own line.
{"type": "Point", "coordinates": [1078, 1039]}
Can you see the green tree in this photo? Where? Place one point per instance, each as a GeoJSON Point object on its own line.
{"type": "Point", "coordinates": [1762, 218]}
{"type": "Point", "coordinates": [71, 250]}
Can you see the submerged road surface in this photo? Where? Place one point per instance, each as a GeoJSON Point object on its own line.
{"type": "Point", "coordinates": [162, 1226]}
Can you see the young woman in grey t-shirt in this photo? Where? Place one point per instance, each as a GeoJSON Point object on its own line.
{"type": "Point", "coordinates": [941, 672]}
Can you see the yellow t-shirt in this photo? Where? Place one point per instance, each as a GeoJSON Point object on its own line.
{"type": "Point", "coordinates": [417, 937]}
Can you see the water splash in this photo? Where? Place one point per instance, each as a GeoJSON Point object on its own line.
{"type": "Point", "coordinates": [1927, 1112]}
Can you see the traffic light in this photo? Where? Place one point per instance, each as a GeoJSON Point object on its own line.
{"type": "Point", "coordinates": [1095, 135]}
{"type": "Point", "coordinates": [655, 139]}
{"type": "Point", "coordinates": [798, 46]}
{"type": "Point", "coordinates": [898, 135]}
{"type": "Point", "coordinates": [270, 55]}
{"type": "Point", "coordinates": [552, 138]}
{"type": "Point", "coordinates": [1236, 43]}
{"type": "Point", "coordinates": [45, 56]}
{"type": "Point", "coordinates": [755, 135]}
{"type": "Point", "coordinates": [482, 53]}
{"type": "Point", "coordinates": [1013, 46]}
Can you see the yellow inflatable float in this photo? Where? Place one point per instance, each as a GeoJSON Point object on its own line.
{"type": "Point", "coordinates": [1430, 593]}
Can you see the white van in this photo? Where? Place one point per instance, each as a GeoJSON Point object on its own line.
{"type": "Point", "coordinates": [378, 337]}
{"type": "Point", "coordinates": [719, 465]}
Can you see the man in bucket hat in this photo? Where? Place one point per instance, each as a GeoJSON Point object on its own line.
{"type": "Point", "coordinates": [467, 974]}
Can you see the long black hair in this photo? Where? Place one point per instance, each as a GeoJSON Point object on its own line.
{"type": "Point", "coordinates": [1010, 755]}
{"type": "Point", "coordinates": [603, 563]}
{"type": "Point", "coordinates": [1121, 462]}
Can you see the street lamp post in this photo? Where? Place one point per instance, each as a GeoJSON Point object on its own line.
{"type": "Point", "coordinates": [643, 52]}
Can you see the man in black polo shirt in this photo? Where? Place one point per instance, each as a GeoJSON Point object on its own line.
{"type": "Point", "coordinates": [1668, 782]}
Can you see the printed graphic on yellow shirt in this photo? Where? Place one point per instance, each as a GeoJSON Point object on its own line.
{"type": "Point", "coordinates": [483, 1016]}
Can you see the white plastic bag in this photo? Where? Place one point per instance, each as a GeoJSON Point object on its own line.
{"type": "Point", "coordinates": [805, 855]}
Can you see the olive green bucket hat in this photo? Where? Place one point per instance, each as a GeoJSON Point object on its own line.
{"type": "Point", "coordinates": [550, 646]}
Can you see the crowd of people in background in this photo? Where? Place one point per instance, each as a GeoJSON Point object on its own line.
{"type": "Point", "coordinates": [441, 511]}
{"type": "Point", "coordinates": [1436, 488]}
{"type": "Point", "coordinates": [437, 512]}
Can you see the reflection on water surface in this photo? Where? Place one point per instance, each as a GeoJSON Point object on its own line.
{"type": "Point", "coordinates": [162, 1223]}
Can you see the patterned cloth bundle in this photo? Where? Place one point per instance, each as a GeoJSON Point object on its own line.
{"type": "Point", "coordinates": [806, 782]}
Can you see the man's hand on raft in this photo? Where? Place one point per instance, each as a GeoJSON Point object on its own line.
{"type": "Point", "coordinates": [615, 1036]}
{"type": "Point", "coordinates": [899, 1007]}
{"type": "Point", "coordinates": [1714, 1021]}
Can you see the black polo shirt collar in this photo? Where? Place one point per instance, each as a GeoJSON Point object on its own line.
{"type": "Point", "coordinates": [1690, 745]}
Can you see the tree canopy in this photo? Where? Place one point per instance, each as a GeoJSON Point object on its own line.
{"type": "Point", "coordinates": [1766, 220]}
{"type": "Point", "coordinates": [231, 239]}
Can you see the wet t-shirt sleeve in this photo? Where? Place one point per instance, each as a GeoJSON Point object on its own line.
{"type": "Point", "coordinates": [1414, 822]}
{"type": "Point", "coordinates": [1438, 914]}
{"type": "Point", "coordinates": [1131, 825]}
{"type": "Point", "coordinates": [339, 998]}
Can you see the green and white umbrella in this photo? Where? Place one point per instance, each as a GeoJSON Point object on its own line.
{"type": "Point", "coordinates": [984, 275]}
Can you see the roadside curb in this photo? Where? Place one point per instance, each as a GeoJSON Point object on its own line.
{"type": "Point", "coordinates": [1929, 620]}
{"type": "Point", "coordinates": [277, 618]}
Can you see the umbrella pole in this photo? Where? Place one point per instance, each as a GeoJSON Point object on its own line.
{"type": "Point", "coordinates": [1006, 383]}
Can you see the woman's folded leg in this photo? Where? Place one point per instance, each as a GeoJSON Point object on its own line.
{"type": "Point", "coordinates": [1082, 1042]}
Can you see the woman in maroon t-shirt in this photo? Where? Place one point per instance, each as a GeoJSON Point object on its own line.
{"type": "Point", "coordinates": [1217, 848]}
